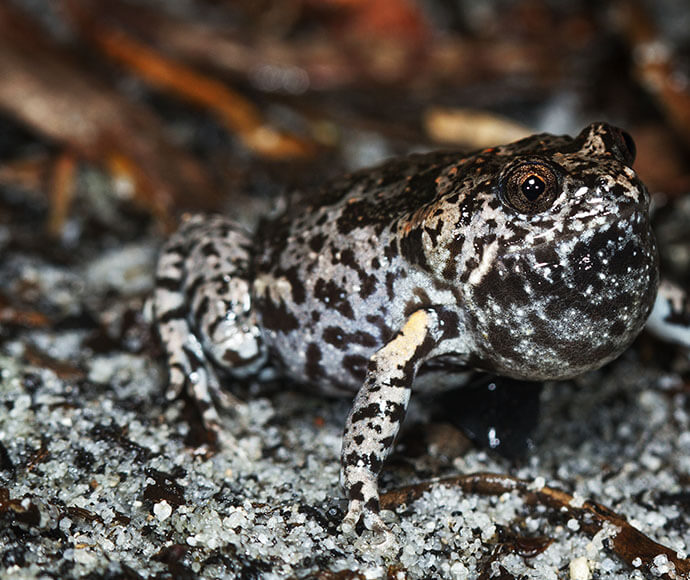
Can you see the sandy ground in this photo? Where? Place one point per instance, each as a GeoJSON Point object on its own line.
{"type": "Point", "coordinates": [100, 477]}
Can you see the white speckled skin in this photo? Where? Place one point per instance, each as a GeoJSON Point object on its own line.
{"type": "Point", "coordinates": [533, 260]}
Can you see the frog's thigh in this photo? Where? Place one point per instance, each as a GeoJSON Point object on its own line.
{"type": "Point", "coordinates": [201, 310]}
{"type": "Point", "coordinates": [378, 412]}
{"type": "Point", "coordinates": [184, 352]}
{"type": "Point", "coordinates": [218, 289]}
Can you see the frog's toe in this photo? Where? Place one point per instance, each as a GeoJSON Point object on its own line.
{"type": "Point", "coordinates": [227, 401]}
{"type": "Point", "coordinates": [383, 538]}
{"type": "Point", "coordinates": [177, 379]}
{"type": "Point", "coordinates": [379, 536]}
{"type": "Point", "coordinates": [371, 520]}
{"type": "Point", "coordinates": [209, 396]}
{"type": "Point", "coordinates": [355, 511]}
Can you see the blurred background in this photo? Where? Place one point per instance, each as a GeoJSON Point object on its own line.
{"type": "Point", "coordinates": [184, 104]}
{"type": "Point", "coordinates": [118, 116]}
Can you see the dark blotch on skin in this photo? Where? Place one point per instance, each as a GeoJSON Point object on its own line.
{"type": "Point", "coordinates": [356, 365]}
{"type": "Point", "coordinates": [231, 356]}
{"type": "Point", "coordinates": [390, 280]}
{"type": "Point", "coordinates": [355, 491]}
{"type": "Point", "coordinates": [277, 316]}
{"type": "Point", "coordinates": [179, 313]}
{"type": "Point", "coordinates": [434, 233]}
{"type": "Point", "coordinates": [368, 282]}
{"type": "Point", "coordinates": [209, 249]}
{"type": "Point", "coordinates": [391, 251]}
{"type": "Point", "coordinates": [372, 504]}
{"type": "Point", "coordinates": [202, 308]}
{"type": "Point", "coordinates": [386, 442]}
{"type": "Point", "coordinates": [312, 365]}
{"type": "Point", "coordinates": [297, 289]}
{"type": "Point", "coordinates": [169, 284]}
{"type": "Point", "coordinates": [454, 248]}
{"type": "Point", "coordinates": [368, 286]}
{"type": "Point", "coordinates": [470, 266]}
{"type": "Point", "coordinates": [395, 411]}
{"type": "Point", "coordinates": [316, 242]}
{"type": "Point", "coordinates": [412, 248]}
{"type": "Point", "coordinates": [368, 412]}
{"type": "Point", "coordinates": [385, 332]}
{"type": "Point", "coordinates": [334, 297]}
{"type": "Point", "coordinates": [450, 324]}
{"type": "Point", "coordinates": [341, 340]}
{"type": "Point", "coordinates": [374, 462]}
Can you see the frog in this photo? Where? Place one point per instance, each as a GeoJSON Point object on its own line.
{"type": "Point", "coordinates": [530, 261]}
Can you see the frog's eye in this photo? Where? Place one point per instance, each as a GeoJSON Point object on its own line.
{"type": "Point", "coordinates": [530, 187]}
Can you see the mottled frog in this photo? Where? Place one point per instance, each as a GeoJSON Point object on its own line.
{"type": "Point", "coordinates": [533, 260]}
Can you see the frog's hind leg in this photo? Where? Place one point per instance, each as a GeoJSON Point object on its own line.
{"type": "Point", "coordinates": [202, 306]}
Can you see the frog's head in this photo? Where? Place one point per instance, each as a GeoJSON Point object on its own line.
{"type": "Point", "coordinates": [555, 261]}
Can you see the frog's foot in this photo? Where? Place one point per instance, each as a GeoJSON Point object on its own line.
{"type": "Point", "coordinates": [383, 537]}
{"type": "Point", "coordinates": [189, 370]}
{"type": "Point", "coordinates": [209, 396]}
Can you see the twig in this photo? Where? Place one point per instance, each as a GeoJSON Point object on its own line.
{"type": "Point", "coordinates": [46, 89]}
{"type": "Point", "coordinates": [629, 544]}
{"type": "Point", "coordinates": [655, 66]}
{"type": "Point", "coordinates": [62, 191]}
{"type": "Point", "coordinates": [238, 114]}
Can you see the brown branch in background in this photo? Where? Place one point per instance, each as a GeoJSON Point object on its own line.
{"type": "Point", "coordinates": [238, 114]}
{"type": "Point", "coordinates": [62, 191]}
{"type": "Point", "coordinates": [321, 61]}
{"type": "Point", "coordinates": [11, 315]}
{"type": "Point", "coordinates": [27, 173]}
{"type": "Point", "coordinates": [471, 128]}
{"type": "Point", "coordinates": [271, 63]}
{"type": "Point", "coordinates": [655, 66]}
{"type": "Point", "coordinates": [64, 370]}
{"type": "Point", "coordinates": [629, 544]}
{"type": "Point", "coordinates": [43, 87]}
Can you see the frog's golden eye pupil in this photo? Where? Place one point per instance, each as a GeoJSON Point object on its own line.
{"type": "Point", "coordinates": [533, 187]}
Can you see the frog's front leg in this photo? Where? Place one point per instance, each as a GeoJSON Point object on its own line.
{"type": "Point", "coordinates": [379, 409]}
{"type": "Point", "coordinates": [670, 317]}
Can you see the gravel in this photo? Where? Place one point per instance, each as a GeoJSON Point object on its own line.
{"type": "Point", "coordinates": [100, 477]}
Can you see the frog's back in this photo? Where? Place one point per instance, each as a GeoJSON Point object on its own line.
{"type": "Point", "coordinates": [372, 197]}
{"type": "Point", "coordinates": [330, 281]}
